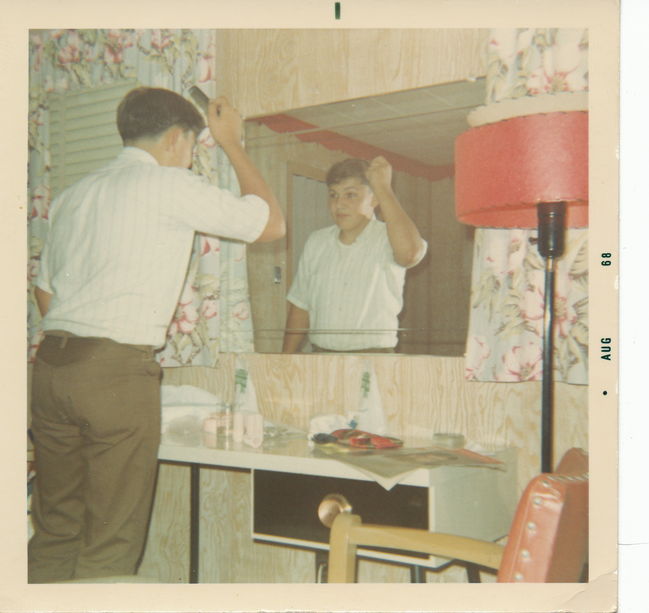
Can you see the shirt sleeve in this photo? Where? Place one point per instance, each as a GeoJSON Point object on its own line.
{"type": "Point", "coordinates": [389, 252]}
{"type": "Point", "coordinates": [209, 209]}
{"type": "Point", "coordinates": [425, 250]}
{"type": "Point", "coordinates": [43, 277]}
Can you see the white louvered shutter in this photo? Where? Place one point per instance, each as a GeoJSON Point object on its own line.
{"type": "Point", "coordinates": [83, 132]}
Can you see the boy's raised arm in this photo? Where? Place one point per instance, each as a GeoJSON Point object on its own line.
{"type": "Point", "coordinates": [225, 125]}
{"type": "Point", "coordinates": [408, 246]}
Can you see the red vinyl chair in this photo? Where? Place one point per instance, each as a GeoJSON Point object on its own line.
{"type": "Point", "coordinates": [547, 541]}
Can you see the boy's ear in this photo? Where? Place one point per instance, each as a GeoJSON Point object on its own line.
{"type": "Point", "coordinates": [171, 137]}
{"type": "Point", "coordinates": [375, 201]}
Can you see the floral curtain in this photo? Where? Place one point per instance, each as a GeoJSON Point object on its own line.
{"type": "Point", "coordinates": [213, 313]}
{"type": "Point", "coordinates": [506, 321]}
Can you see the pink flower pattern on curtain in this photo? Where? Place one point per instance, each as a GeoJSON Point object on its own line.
{"type": "Point", "coordinates": [213, 314]}
{"type": "Point", "coordinates": [504, 340]}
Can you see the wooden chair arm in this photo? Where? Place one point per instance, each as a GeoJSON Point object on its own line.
{"type": "Point", "coordinates": [347, 533]}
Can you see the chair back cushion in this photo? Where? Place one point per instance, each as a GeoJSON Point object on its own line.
{"type": "Point", "coordinates": [548, 540]}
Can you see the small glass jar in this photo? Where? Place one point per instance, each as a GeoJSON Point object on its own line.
{"type": "Point", "coordinates": [225, 421]}
{"type": "Point", "coordinates": [448, 440]}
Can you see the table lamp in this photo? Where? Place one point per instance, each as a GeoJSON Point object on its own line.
{"type": "Point", "coordinates": [529, 171]}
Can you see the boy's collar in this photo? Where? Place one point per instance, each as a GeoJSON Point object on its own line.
{"type": "Point", "coordinates": [362, 236]}
{"type": "Point", "coordinates": [139, 153]}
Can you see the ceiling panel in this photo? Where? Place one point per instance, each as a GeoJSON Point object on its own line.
{"type": "Point", "coordinates": [421, 124]}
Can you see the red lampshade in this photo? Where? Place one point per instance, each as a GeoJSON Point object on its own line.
{"type": "Point", "coordinates": [504, 169]}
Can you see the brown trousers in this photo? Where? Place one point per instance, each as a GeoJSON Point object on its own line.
{"type": "Point", "coordinates": [96, 430]}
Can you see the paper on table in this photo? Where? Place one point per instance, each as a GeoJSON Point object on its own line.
{"type": "Point", "coordinates": [390, 466]}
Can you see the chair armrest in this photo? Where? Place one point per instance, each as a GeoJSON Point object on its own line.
{"type": "Point", "coordinates": [347, 533]}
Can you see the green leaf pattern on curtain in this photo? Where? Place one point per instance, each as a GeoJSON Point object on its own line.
{"type": "Point", "coordinates": [506, 318]}
{"type": "Point", "coordinates": [213, 314]}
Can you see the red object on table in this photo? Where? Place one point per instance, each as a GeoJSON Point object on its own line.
{"type": "Point", "coordinates": [365, 440]}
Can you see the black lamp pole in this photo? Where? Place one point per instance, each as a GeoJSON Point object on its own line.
{"type": "Point", "coordinates": [551, 241]}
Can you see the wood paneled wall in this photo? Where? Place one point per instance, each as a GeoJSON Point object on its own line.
{"type": "Point", "coordinates": [266, 71]}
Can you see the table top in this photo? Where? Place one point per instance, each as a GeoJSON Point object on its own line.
{"type": "Point", "coordinates": [293, 454]}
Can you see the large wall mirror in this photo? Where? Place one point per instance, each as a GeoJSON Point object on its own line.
{"type": "Point", "coordinates": [415, 130]}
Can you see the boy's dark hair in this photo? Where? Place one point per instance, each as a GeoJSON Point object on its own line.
{"type": "Point", "coordinates": [351, 167]}
{"type": "Point", "coordinates": [146, 112]}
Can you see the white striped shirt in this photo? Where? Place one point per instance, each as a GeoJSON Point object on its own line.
{"type": "Point", "coordinates": [348, 289]}
{"type": "Point", "coordinates": [119, 243]}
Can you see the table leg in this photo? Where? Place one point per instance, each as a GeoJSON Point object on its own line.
{"type": "Point", "coordinates": [417, 574]}
{"type": "Point", "coordinates": [321, 565]}
{"type": "Point", "coordinates": [473, 573]}
{"type": "Point", "coordinates": [194, 517]}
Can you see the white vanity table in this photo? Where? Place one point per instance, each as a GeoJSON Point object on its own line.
{"type": "Point", "coordinates": [470, 501]}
